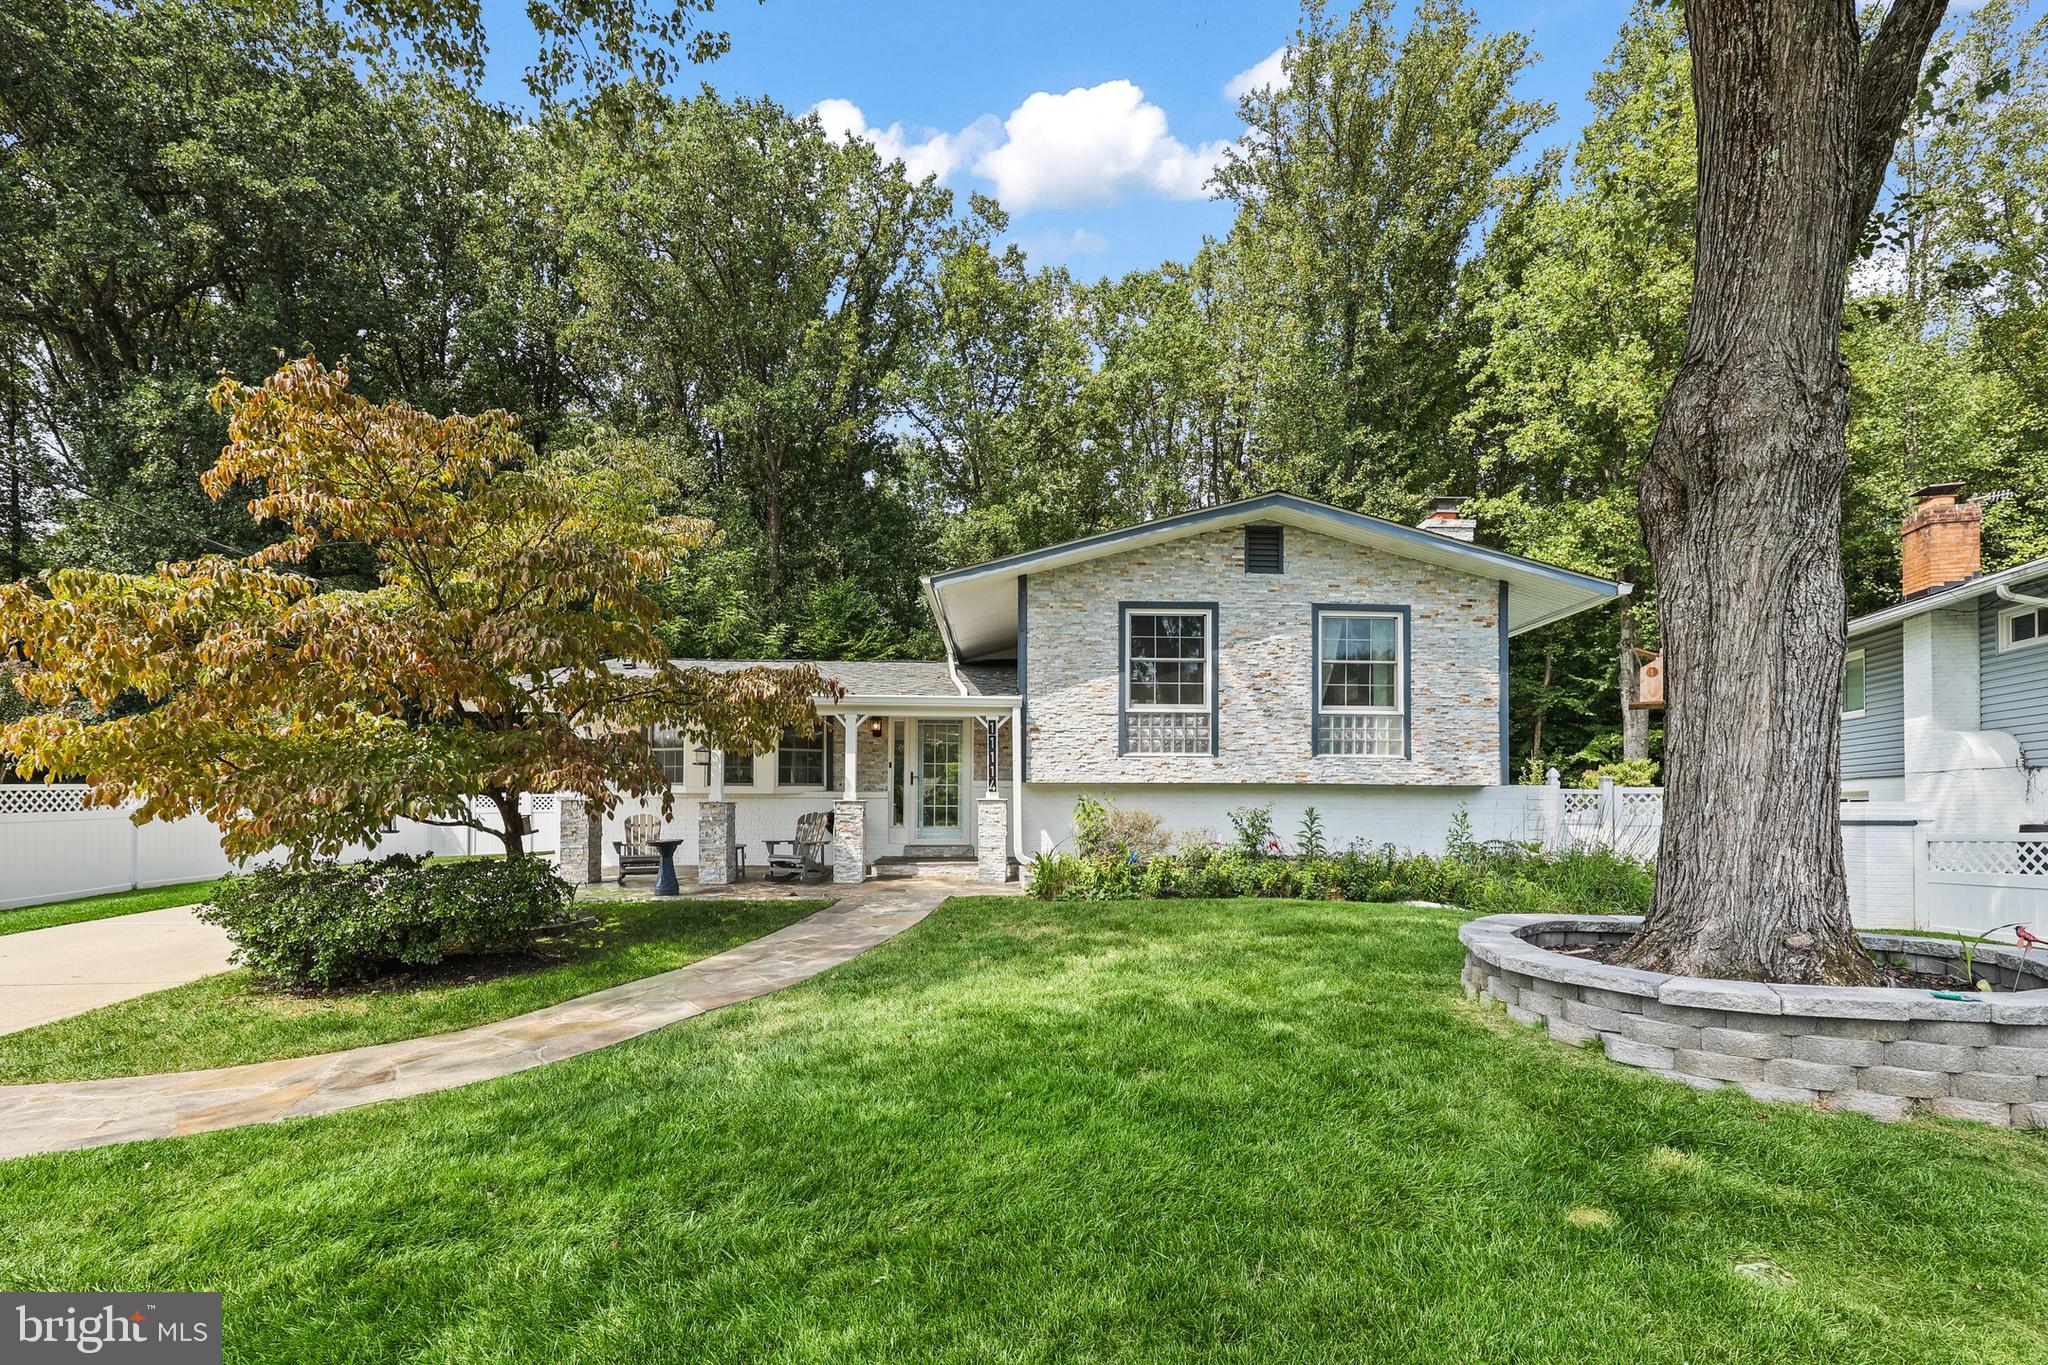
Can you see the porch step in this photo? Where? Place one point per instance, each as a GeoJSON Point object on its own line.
{"type": "Point", "coordinates": [916, 851]}
{"type": "Point", "coordinates": [954, 869]}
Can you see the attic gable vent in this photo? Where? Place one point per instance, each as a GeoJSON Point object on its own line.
{"type": "Point", "coordinates": [1264, 549]}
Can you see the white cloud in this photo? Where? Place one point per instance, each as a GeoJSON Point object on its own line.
{"type": "Point", "coordinates": [1054, 247]}
{"type": "Point", "coordinates": [1270, 72]}
{"type": "Point", "coordinates": [1093, 145]}
{"type": "Point", "coordinates": [1090, 147]}
{"type": "Point", "coordinates": [937, 153]}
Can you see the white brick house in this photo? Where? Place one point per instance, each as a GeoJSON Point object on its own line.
{"type": "Point", "coordinates": [1273, 650]}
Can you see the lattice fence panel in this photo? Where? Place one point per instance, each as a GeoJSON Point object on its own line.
{"type": "Point", "coordinates": [40, 800]}
{"type": "Point", "coordinates": [1988, 857]}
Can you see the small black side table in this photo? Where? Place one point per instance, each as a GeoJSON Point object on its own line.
{"type": "Point", "coordinates": [665, 883]}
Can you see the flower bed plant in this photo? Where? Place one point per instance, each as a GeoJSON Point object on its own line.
{"type": "Point", "coordinates": [335, 924]}
{"type": "Point", "coordinates": [1497, 878]}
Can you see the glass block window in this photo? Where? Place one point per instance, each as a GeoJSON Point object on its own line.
{"type": "Point", "coordinates": [1167, 732]}
{"type": "Point", "coordinates": [1373, 736]}
{"type": "Point", "coordinates": [800, 759]}
{"type": "Point", "coordinates": [1358, 684]}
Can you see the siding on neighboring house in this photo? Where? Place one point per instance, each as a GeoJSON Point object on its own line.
{"type": "Point", "coordinates": [1266, 645]}
{"type": "Point", "coordinates": [2013, 686]}
{"type": "Point", "coordinates": [1874, 744]}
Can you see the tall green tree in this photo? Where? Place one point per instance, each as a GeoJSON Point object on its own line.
{"type": "Point", "coordinates": [1362, 188]}
{"type": "Point", "coordinates": [992, 452]}
{"type": "Point", "coordinates": [748, 287]}
{"type": "Point", "coordinates": [1583, 322]}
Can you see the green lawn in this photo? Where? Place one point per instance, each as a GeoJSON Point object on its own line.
{"type": "Point", "coordinates": [1257, 1131]}
{"type": "Point", "coordinates": [103, 907]}
{"type": "Point", "coordinates": [229, 1018]}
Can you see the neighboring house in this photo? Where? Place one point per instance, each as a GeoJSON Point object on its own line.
{"type": "Point", "coordinates": [1274, 650]}
{"type": "Point", "coordinates": [1945, 702]}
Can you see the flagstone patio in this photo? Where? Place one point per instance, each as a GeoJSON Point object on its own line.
{"type": "Point", "coordinates": [65, 1115]}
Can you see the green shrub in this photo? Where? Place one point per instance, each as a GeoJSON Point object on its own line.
{"type": "Point", "coordinates": [338, 923]}
{"type": "Point", "coordinates": [1490, 878]}
{"type": "Point", "coordinates": [1105, 831]}
{"type": "Point", "coordinates": [1626, 772]}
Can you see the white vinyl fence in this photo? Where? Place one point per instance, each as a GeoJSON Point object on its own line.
{"type": "Point", "coordinates": [1621, 819]}
{"type": "Point", "coordinates": [1974, 883]}
{"type": "Point", "coordinates": [53, 848]}
{"type": "Point", "coordinates": [1902, 872]}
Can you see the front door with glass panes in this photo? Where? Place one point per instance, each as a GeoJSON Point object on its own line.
{"type": "Point", "coordinates": [927, 778]}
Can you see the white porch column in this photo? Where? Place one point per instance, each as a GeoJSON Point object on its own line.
{"type": "Point", "coordinates": [1017, 780]}
{"type": "Point", "coordinates": [851, 725]}
{"type": "Point", "coordinates": [717, 775]}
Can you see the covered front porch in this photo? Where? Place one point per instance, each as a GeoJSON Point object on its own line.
{"type": "Point", "coordinates": [916, 782]}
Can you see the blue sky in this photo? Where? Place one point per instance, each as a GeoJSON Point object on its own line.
{"type": "Point", "coordinates": [1092, 121]}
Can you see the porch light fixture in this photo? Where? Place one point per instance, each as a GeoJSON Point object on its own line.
{"type": "Point", "coordinates": [875, 729]}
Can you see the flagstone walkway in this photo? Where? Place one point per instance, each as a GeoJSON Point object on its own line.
{"type": "Point", "coordinates": [65, 1115]}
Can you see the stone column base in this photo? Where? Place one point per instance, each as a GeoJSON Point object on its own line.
{"type": "Point", "coordinates": [849, 842]}
{"type": "Point", "coordinates": [579, 845]}
{"type": "Point", "coordinates": [992, 839]}
{"type": "Point", "coordinates": [716, 850]}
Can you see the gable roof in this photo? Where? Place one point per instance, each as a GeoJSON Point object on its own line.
{"type": "Point", "coordinates": [976, 606]}
{"type": "Point", "coordinates": [1955, 595]}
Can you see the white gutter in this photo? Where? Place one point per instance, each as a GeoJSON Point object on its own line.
{"type": "Point", "coordinates": [2009, 595]}
{"type": "Point", "coordinates": [967, 704]}
{"type": "Point", "coordinates": [1955, 595]}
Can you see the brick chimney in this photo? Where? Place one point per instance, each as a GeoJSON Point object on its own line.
{"type": "Point", "coordinates": [1942, 541]}
{"type": "Point", "coordinates": [1443, 519]}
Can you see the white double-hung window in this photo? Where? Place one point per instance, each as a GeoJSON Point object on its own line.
{"type": "Point", "coordinates": [1361, 682]}
{"type": "Point", "coordinates": [1169, 682]}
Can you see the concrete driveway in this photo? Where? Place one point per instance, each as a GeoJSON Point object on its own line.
{"type": "Point", "coordinates": [68, 969]}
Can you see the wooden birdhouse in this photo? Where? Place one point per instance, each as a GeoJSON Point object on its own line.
{"type": "Point", "coordinates": [1649, 682]}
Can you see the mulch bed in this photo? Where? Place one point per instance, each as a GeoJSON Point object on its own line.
{"type": "Point", "coordinates": [1887, 975]}
{"type": "Point", "coordinates": [468, 969]}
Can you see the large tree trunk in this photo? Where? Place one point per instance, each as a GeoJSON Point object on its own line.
{"type": "Point", "coordinates": [1741, 497]}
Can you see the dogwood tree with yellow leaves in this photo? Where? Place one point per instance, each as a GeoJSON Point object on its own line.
{"type": "Point", "coordinates": [509, 645]}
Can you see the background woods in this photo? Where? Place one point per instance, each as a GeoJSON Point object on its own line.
{"type": "Point", "coordinates": [856, 376]}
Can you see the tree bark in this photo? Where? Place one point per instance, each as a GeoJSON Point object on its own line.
{"type": "Point", "coordinates": [1741, 496]}
{"type": "Point", "coordinates": [511, 831]}
{"type": "Point", "coordinates": [1635, 725]}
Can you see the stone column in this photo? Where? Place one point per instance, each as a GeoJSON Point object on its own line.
{"type": "Point", "coordinates": [849, 842]}
{"type": "Point", "coordinates": [579, 845]}
{"type": "Point", "coordinates": [992, 839]}
{"type": "Point", "coordinates": [715, 847]}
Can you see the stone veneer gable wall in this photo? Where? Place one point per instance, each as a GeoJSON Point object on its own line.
{"type": "Point", "coordinates": [1265, 662]}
